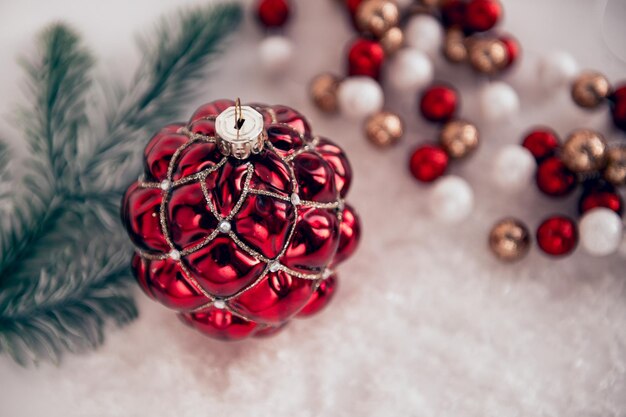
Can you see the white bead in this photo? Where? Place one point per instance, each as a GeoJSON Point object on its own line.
{"type": "Point", "coordinates": [514, 168]}
{"type": "Point", "coordinates": [409, 69]}
{"type": "Point", "coordinates": [295, 199]}
{"type": "Point", "coordinates": [275, 54]}
{"type": "Point", "coordinates": [425, 33]}
{"type": "Point", "coordinates": [601, 231]}
{"type": "Point", "coordinates": [451, 199]}
{"type": "Point", "coordinates": [556, 70]}
{"type": "Point", "coordinates": [165, 185]}
{"type": "Point", "coordinates": [219, 304]}
{"type": "Point", "coordinates": [174, 255]}
{"type": "Point", "coordinates": [359, 97]}
{"type": "Point", "coordinates": [224, 226]}
{"type": "Point", "coordinates": [498, 101]}
{"type": "Point", "coordinates": [274, 266]}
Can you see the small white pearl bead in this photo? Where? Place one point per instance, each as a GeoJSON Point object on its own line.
{"type": "Point", "coordinates": [425, 33]}
{"type": "Point", "coordinates": [224, 226]}
{"type": "Point", "coordinates": [498, 101]}
{"type": "Point", "coordinates": [174, 255]}
{"type": "Point", "coordinates": [219, 304]}
{"type": "Point", "coordinates": [601, 231]}
{"type": "Point", "coordinates": [410, 70]}
{"type": "Point", "coordinates": [451, 199]}
{"type": "Point", "coordinates": [514, 168]}
{"type": "Point", "coordinates": [359, 97]}
{"type": "Point", "coordinates": [556, 70]}
{"type": "Point", "coordinates": [275, 54]}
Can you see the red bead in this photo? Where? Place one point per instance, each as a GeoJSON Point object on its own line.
{"type": "Point", "coordinates": [315, 177]}
{"type": "Point", "coordinates": [512, 49]}
{"type": "Point", "coordinates": [273, 13]}
{"type": "Point", "coordinates": [618, 107]}
{"type": "Point", "coordinates": [220, 324]}
{"type": "Point", "coordinates": [453, 12]}
{"type": "Point", "coordinates": [542, 143]}
{"type": "Point", "coordinates": [165, 281]}
{"type": "Point", "coordinates": [482, 15]}
{"type": "Point", "coordinates": [557, 235]}
{"type": "Point", "coordinates": [140, 215]}
{"type": "Point", "coordinates": [275, 299]}
{"type": "Point", "coordinates": [353, 5]}
{"type": "Point", "coordinates": [428, 163]}
{"type": "Point", "coordinates": [321, 297]}
{"type": "Point", "coordinates": [350, 233]}
{"type": "Point", "coordinates": [554, 179]}
{"type": "Point", "coordinates": [439, 103]}
{"type": "Point", "coordinates": [314, 242]}
{"type": "Point", "coordinates": [338, 161]}
{"type": "Point", "coordinates": [600, 194]}
{"type": "Point", "coordinates": [159, 151]}
{"type": "Point", "coordinates": [366, 58]}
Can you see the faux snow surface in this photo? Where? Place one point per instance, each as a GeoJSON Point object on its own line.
{"type": "Point", "coordinates": [426, 322]}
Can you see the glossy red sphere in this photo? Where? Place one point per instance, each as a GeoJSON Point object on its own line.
{"type": "Point", "coordinates": [365, 57]}
{"type": "Point", "coordinates": [439, 103]}
{"type": "Point", "coordinates": [600, 194]}
{"type": "Point", "coordinates": [557, 235]}
{"type": "Point", "coordinates": [453, 13]}
{"type": "Point", "coordinates": [428, 163]}
{"type": "Point", "coordinates": [554, 179]}
{"type": "Point", "coordinates": [541, 142]}
{"type": "Point", "coordinates": [482, 15]}
{"type": "Point", "coordinates": [238, 247]}
{"type": "Point", "coordinates": [618, 107]}
{"type": "Point", "coordinates": [512, 48]}
{"type": "Point", "coordinates": [273, 13]}
{"type": "Point", "coordinates": [321, 297]}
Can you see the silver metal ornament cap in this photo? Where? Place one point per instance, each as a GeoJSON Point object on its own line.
{"type": "Point", "coordinates": [240, 131]}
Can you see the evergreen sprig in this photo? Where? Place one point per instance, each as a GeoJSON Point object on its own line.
{"type": "Point", "coordinates": [64, 261]}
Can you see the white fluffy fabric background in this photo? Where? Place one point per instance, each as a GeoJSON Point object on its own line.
{"type": "Point", "coordinates": [426, 322]}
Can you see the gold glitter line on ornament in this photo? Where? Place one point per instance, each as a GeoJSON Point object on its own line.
{"type": "Point", "coordinates": [244, 193]}
{"type": "Point", "coordinates": [194, 282]}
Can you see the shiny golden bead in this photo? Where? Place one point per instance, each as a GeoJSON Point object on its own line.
{"type": "Point", "coordinates": [384, 128]}
{"type": "Point", "coordinates": [454, 48]}
{"type": "Point", "coordinates": [590, 89]}
{"type": "Point", "coordinates": [584, 151]}
{"type": "Point", "coordinates": [509, 240]}
{"type": "Point", "coordinates": [615, 171]}
{"type": "Point", "coordinates": [323, 92]}
{"type": "Point", "coordinates": [487, 56]}
{"type": "Point", "coordinates": [392, 40]}
{"type": "Point", "coordinates": [458, 138]}
{"type": "Point", "coordinates": [377, 16]}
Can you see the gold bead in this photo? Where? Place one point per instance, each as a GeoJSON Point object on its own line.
{"type": "Point", "coordinates": [584, 151]}
{"type": "Point", "coordinates": [487, 56]}
{"type": "Point", "coordinates": [509, 240]}
{"type": "Point", "coordinates": [323, 92]}
{"type": "Point", "coordinates": [454, 48]}
{"type": "Point", "coordinates": [459, 138]}
{"type": "Point", "coordinates": [392, 40]}
{"type": "Point", "coordinates": [615, 171]}
{"type": "Point", "coordinates": [384, 128]}
{"type": "Point", "coordinates": [590, 89]}
{"type": "Point", "coordinates": [377, 16]}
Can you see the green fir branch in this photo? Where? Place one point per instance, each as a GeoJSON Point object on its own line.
{"type": "Point", "coordinates": [176, 55]}
{"type": "Point", "coordinates": [56, 291]}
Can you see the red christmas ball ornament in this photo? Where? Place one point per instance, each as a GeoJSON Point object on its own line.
{"type": "Point", "coordinates": [554, 179]}
{"type": "Point", "coordinates": [428, 163]}
{"type": "Point", "coordinates": [542, 143]}
{"type": "Point", "coordinates": [557, 235]}
{"type": "Point", "coordinates": [453, 13]}
{"type": "Point", "coordinates": [439, 103]}
{"type": "Point", "coordinates": [512, 49]}
{"type": "Point", "coordinates": [241, 220]}
{"type": "Point", "coordinates": [482, 15]}
{"type": "Point", "coordinates": [273, 13]}
{"type": "Point", "coordinates": [600, 194]}
{"type": "Point", "coordinates": [618, 107]}
{"type": "Point", "coordinates": [353, 5]}
{"type": "Point", "coordinates": [365, 57]}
